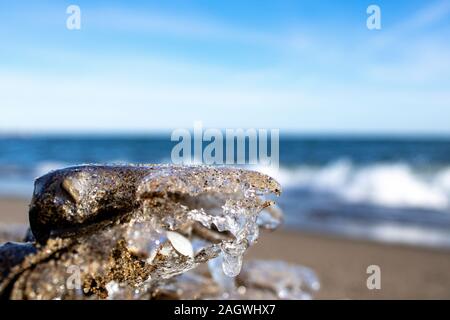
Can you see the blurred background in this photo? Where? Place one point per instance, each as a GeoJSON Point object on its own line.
{"type": "Point", "coordinates": [364, 116]}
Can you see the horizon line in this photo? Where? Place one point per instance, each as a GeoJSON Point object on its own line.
{"type": "Point", "coordinates": [167, 132]}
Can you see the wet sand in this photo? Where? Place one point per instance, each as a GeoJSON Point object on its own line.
{"type": "Point", "coordinates": [13, 210]}
{"type": "Point", "coordinates": [406, 272]}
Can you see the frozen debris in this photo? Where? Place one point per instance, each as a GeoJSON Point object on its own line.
{"type": "Point", "coordinates": [286, 281]}
{"type": "Point", "coordinates": [259, 280]}
{"type": "Point", "coordinates": [127, 229]}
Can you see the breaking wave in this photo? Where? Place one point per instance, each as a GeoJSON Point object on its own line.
{"type": "Point", "coordinates": [395, 185]}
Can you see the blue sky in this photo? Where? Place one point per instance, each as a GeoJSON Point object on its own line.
{"type": "Point", "coordinates": [303, 66]}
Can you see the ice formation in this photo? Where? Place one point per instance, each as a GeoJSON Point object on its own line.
{"type": "Point", "coordinates": [135, 232]}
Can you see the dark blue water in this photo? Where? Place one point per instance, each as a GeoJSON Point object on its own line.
{"type": "Point", "coordinates": [385, 188]}
{"type": "Point", "coordinates": [29, 152]}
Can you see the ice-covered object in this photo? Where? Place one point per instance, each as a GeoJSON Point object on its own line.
{"type": "Point", "coordinates": [121, 231]}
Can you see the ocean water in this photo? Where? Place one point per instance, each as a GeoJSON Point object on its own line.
{"type": "Point", "coordinates": [386, 189]}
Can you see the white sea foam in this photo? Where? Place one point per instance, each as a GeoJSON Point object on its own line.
{"type": "Point", "coordinates": [414, 235]}
{"type": "Point", "coordinates": [389, 232]}
{"type": "Point", "coordinates": [395, 185]}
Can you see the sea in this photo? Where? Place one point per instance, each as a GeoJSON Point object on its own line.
{"type": "Point", "coordinates": [381, 188]}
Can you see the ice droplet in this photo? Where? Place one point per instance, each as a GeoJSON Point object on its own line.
{"type": "Point", "coordinates": [232, 254]}
{"type": "Point", "coordinates": [215, 267]}
{"type": "Point", "coordinates": [239, 217]}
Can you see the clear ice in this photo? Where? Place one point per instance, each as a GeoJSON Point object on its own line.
{"type": "Point", "coordinates": [228, 200]}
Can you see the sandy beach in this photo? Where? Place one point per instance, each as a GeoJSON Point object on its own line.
{"type": "Point", "coordinates": [407, 272]}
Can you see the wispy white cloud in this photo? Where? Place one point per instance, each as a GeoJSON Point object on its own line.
{"type": "Point", "coordinates": [102, 103]}
{"type": "Point", "coordinates": [429, 15]}
{"type": "Point", "coordinates": [411, 26]}
{"type": "Point", "coordinates": [408, 54]}
{"type": "Point", "coordinates": [184, 26]}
